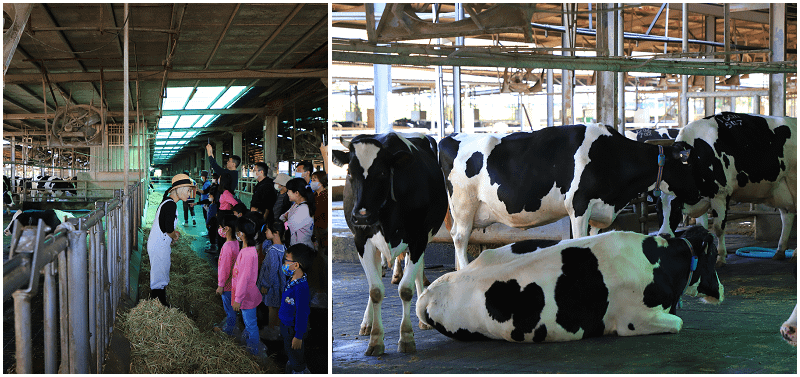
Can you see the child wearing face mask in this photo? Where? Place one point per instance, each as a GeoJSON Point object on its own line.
{"type": "Point", "coordinates": [270, 277]}
{"type": "Point", "coordinates": [245, 296]}
{"type": "Point", "coordinates": [295, 306]}
{"type": "Point", "coordinates": [227, 257]}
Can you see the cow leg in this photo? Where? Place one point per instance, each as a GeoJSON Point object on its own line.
{"type": "Point", "coordinates": [789, 328]}
{"type": "Point", "coordinates": [650, 322]}
{"type": "Point", "coordinates": [580, 225]}
{"type": "Point", "coordinates": [787, 221]}
{"type": "Point", "coordinates": [719, 230]}
{"type": "Point", "coordinates": [461, 230]}
{"type": "Point", "coordinates": [413, 270]}
{"type": "Point", "coordinates": [397, 270]}
{"type": "Point", "coordinates": [421, 281]}
{"type": "Point", "coordinates": [372, 324]}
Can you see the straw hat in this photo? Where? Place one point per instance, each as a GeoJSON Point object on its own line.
{"type": "Point", "coordinates": [282, 179]}
{"type": "Point", "coordinates": [181, 180]}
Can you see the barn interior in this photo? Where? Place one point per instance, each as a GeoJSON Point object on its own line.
{"type": "Point", "coordinates": [523, 67]}
{"type": "Point", "coordinates": [115, 99]}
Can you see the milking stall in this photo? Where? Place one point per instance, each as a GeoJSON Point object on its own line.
{"type": "Point", "coordinates": [570, 244]}
{"type": "Point", "coordinates": [103, 104]}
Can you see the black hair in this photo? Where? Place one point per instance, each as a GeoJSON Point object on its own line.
{"type": "Point", "coordinates": [225, 183]}
{"type": "Point", "coordinates": [300, 186]}
{"type": "Point", "coordinates": [258, 221]}
{"type": "Point", "coordinates": [322, 177]}
{"type": "Point", "coordinates": [228, 220]}
{"type": "Point", "coordinates": [241, 208]}
{"type": "Point", "coordinates": [307, 165]}
{"type": "Point", "coordinates": [302, 254]}
{"type": "Point", "coordinates": [236, 159]}
{"type": "Point", "coordinates": [262, 166]}
{"type": "Point", "coordinates": [215, 175]}
{"type": "Point", "coordinates": [276, 226]}
{"type": "Point", "coordinates": [248, 227]}
{"type": "Point", "coordinates": [204, 173]}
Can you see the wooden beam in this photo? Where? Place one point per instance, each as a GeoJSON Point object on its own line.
{"type": "Point", "coordinates": [171, 75]}
{"type": "Point", "coordinates": [147, 113]}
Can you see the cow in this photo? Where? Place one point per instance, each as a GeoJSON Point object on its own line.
{"type": "Point", "coordinates": [394, 202]}
{"type": "Point", "coordinates": [621, 283]}
{"type": "Point", "coordinates": [51, 217]}
{"type": "Point", "coordinates": [789, 329]}
{"type": "Point", "coordinates": [739, 158]}
{"type": "Point", "coordinates": [57, 187]}
{"type": "Point", "coordinates": [7, 199]}
{"type": "Point", "coordinates": [589, 173]}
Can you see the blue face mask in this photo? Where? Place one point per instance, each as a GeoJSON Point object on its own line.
{"type": "Point", "coordinates": [298, 174]}
{"type": "Point", "coordinates": [287, 271]}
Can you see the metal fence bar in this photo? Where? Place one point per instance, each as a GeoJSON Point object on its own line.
{"type": "Point", "coordinates": [79, 350]}
{"type": "Point", "coordinates": [22, 330]}
{"type": "Point", "coordinates": [50, 316]}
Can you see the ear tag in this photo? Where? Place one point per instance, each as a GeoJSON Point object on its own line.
{"type": "Point", "coordinates": [694, 264]}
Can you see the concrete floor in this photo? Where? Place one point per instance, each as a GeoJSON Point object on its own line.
{"type": "Point", "coordinates": [739, 336]}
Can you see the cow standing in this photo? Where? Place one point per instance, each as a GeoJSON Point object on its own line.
{"type": "Point", "coordinates": [740, 158]}
{"type": "Point", "coordinates": [589, 173]}
{"type": "Point", "coordinates": [620, 283]}
{"type": "Point", "coordinates": [394, 201]}
{"type": "Point", "coordinates": [7, 199]}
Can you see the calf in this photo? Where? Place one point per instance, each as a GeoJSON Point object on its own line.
{"type": "Point", "coordinates": [620, 283]}
{"type": "Point", "coordinates": [740, 158]}
{"type": "Point", "coordinates": [789, 329]}
{"type": "Point", "coordinates": [57, 187]}
{"type": "Point", "coordinates": [589, 173]}
{"type": "Point", "coordinates": [7, 199]}
{"type": "Point", "coordinates": [394, 201]}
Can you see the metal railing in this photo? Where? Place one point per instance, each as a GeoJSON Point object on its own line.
{"type": "Point", "coordinates": [91, 265]}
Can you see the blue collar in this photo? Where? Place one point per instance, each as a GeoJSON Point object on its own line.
{"type": "Point", "coordinates": [662, 159]}
{"type": "Point", "coordinates": [292, 283]}
{"type": "Point", "coordinates": [692, 268]}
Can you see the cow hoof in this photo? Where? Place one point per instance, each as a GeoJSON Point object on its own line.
{"type": "Point", "coordinates": [721, 262]}
{"type": "Point", "coordinates": [365, 330]}
{"type": "Point", "coordinates": [789, 334]}
{"type": "Point", "coordinates": [396, 279]}
{"type": "Point", "coordinates": [406, 347]}
{"type": "Point", "coordinates": [779, 256]}
{"type": "Point", "coordinates": [383, 273]}
{"type": "Point", "coordinates": [424, 326]}
{"type": "Point", "coordinates": [426, 282]}
{"type": "Point", "coordinates": [375, 350]}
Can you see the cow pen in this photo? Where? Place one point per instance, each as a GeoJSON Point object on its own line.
{"type": "Point", "coordinates": [85, 291]}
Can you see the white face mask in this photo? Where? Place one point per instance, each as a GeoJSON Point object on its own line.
{"type": "Point", "coordinates": [238, 238]}
{"type": "Point", "coordinates": [298, 174]}
{"type": "Point", "coordinates": [277, 187]}
{"type": "Point", "coordinates": [315, 186]}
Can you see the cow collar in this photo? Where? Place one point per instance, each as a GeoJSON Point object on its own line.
{"type": "Point", "coordinates": [661, 161]}
{"type": "Point", "coordinates": [692, 268]}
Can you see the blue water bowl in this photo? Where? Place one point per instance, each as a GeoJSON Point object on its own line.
{"type": "Point", "coordinates": [760, 252]}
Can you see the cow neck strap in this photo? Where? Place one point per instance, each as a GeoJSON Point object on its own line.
{"type": "Point", "coordinates": [692, 265]}
{"type": "Point", "coordinates": [391, 183]}
{"type": "Point", "coordinates": [661, 161]}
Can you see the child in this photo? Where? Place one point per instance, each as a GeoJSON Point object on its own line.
{"type": "Point", "coordinates": [270, 278]}
{"type": "Point", "coordinates": [245, 295]}
{"type": "Point", "coordinates": [295, 305]}
{"type": "Point", "coordinates": [227, 256]}
{"type": "Point", "coordinates": [300, 217]}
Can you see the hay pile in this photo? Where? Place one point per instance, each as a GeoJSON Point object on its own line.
{"type": "Point", "coordinates": [164, 340]}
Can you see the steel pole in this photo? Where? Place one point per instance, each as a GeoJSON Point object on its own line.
{"type": "Point", "coordinates": [710, 84]}
{"type": "Point", "coordinates": [683, 119]}
{"type": "Point", "coordinates": [777, 82]}
{"type": "Point", "coordinates": [22, 331]}
{"type": "Point", "coordinates": [79, 349]}
{"type": "Point", "coordinates": [126, 158]}
{"type": "Point", "coordinates": [50, 316]}
{"type": "Point", "coordinates": [457, 77]}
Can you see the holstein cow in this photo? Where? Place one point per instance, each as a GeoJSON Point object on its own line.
{"type": "Point", "coordinates": [620, 283]}
{"type": "Point", "coordinates": [740, 158]}
{"type": "Point", "coordinates": [51, 217]}
{"type": "Point", "coordinates": [394, 201]}
{"type": "Point", "coordinates": [7, 199]}
{"type": "Point", "coordinates": [789, 328]}
{"type": "Point", "coordinates": [589, 173]}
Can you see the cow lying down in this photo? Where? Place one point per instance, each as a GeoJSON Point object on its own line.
{"type": "Point", "coordinates": [548, 291]}
{"type": "Point", "coordinates": [789, 329]}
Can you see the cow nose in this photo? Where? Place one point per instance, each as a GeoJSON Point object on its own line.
{"type": "Point", "coordinates": [360, 216]}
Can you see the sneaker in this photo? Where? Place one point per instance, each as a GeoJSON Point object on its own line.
{"type": "Point", "coordinates": [304, 371]}
{"type": "Point", "coordinates": [194, 222]}
{"type": "Point", "coordinates": [185, 223]}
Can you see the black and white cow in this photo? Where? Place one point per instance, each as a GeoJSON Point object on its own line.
{"type": "Point", "coordinates": [58, 187]}
{"type": "Point", "coordinates": [394, 201]}
{"type": "Point", "coordinates": [589, 173]}
{"type": "Point", "coordinates": [620, 283]}
{"type": "Point", "coordinates": [740, 158]}
{"type": "Point", "coordinates": [8, 201]}
{"type": "Point", "coordinates": [51, 217]}
{"type": "Point", "coordinates": [789, 329]}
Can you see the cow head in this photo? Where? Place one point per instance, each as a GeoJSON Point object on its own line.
{"type": "Point", "coordinates": [704, 282]}
{"type": "Point", "coordinates": [371, 161]}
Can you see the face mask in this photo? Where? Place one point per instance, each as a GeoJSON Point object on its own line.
{"type": "Point", "coordinates": [221, 232]}
{"type": "Point", "coordinates": [287, 271]}
{"type": "Point", "coordinates": [315, 186]}
{"type": "Point", "coordinates": [237, 238]}
{"type": "Point", "coordinates": [298, 174]}
{"type": "Point", "coordinates": [277, 187]}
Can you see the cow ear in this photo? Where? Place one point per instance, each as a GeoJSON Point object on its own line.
{"type": "Point", "coordinates": [681, 152]}
{"type": "Point", "coordinates": [345, 143]}
{"type": "Point", "coordinates": [340, 158]}
{"type": "Point", "coordinates": [402, 158]}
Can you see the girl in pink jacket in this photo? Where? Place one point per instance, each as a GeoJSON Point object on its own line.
{"type": "Point", "coordinates": [226, 199]}
{"type": "Point", "coordinates": [245, 295]}
{"type": "Point", "coordinates": [227, 257]}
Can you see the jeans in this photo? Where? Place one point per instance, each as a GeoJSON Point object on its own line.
{"type": "Point", "coordinates": [230, 315]}
{"type": "Point", "coordinates": [297, 362]}
{"type": "Point", "coordinates": [252, 339]}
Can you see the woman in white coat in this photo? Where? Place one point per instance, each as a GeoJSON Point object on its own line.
{"type": "Point", "coordinates": [164, 232]}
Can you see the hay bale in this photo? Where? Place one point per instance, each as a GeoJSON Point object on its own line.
{"type": "Point", "coordinates": [165, 340]}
